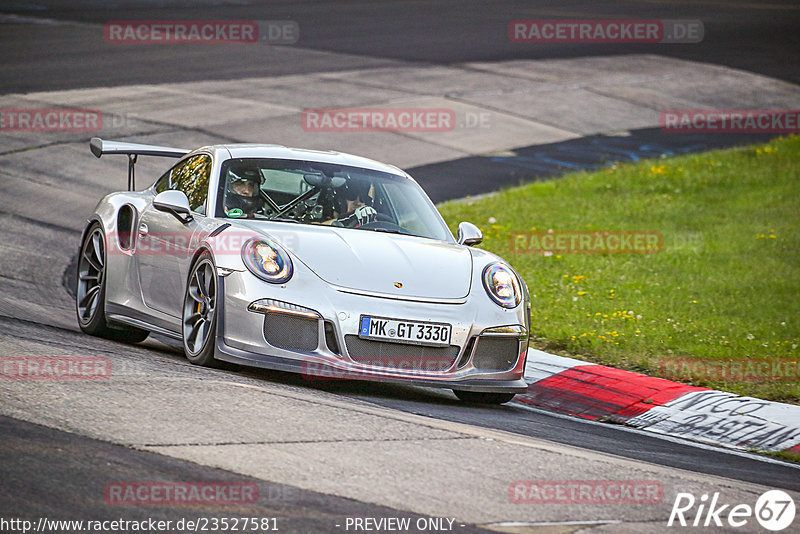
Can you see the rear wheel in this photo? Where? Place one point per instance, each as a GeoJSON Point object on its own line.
{"type": "Point", "coordinates": [200, 313]}
{"type": "Point", "coordinates": [90, 292]}
{"type": "Point", "coordinates": [480, 397]}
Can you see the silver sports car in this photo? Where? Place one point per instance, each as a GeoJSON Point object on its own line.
{"type": "Point", "coordinates": [322, 263]}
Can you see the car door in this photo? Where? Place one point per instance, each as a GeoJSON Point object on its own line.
{"type": "Point", "coordinates": [164, 243]}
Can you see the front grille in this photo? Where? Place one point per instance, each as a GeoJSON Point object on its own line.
{"type": "Point", "coordinates": [496, 353]}
{"type": "Point", "coordinates": [400, 356]}
{"type": "Point", "coordinates": [291, 332]}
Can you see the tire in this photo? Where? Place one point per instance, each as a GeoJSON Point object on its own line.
{"type": "Point", "coordinates": [479, 397]}
{"type": "Point", "coordinates": [90, 292]}
{"type": "Point", "coordinates": [199, 318]}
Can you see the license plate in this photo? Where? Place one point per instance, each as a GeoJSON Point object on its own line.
{"type": "Point", "coordinates": [416, 332]}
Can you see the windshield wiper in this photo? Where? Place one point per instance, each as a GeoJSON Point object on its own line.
{"type": "Point", "coordinates": [284, 219]}
{"type": "Point", "coordinates": [388, 231]}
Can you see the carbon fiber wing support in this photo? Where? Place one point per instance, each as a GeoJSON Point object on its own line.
{"type": "Point", "coordinates": [100, 147]}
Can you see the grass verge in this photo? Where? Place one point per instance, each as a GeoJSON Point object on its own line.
{"type": "Point", "coordinates": [714, 304]}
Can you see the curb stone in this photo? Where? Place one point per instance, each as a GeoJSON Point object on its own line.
{"type": "Point", "coordinates": [657, 405]}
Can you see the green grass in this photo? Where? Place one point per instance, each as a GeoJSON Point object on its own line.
{"type": "Point", "coordinates": [725, 286]}
{"type": "Point", "coordinates": [789, 456]}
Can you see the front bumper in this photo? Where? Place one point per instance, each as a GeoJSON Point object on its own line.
{"type": "Point", "coordinates": [329, 316]}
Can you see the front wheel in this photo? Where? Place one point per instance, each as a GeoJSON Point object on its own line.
{"type": "Point", "coordinates": [200, 313]}
{"type": "Point", "coordinates": [480, 397]}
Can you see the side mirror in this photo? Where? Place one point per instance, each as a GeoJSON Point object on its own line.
{"type": "Point", "coordinates": [174, 202]}
{"type": "Point", "coordinates": [469, 234]}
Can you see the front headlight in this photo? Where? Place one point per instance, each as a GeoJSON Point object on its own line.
{"type": "Point", "coordinates": [502, 285]}
{"type": "Point", "coordinates": [267, 260]}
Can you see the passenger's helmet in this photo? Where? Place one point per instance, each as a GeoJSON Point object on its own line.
{"type": "Point", "coordinates": [355, 190]}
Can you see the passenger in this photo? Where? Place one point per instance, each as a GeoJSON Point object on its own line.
{"type": "Point", "coordinates": [355, 210]}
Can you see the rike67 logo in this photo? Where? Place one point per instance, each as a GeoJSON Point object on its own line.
{"type": "Point", "coordinates": [774, 510]}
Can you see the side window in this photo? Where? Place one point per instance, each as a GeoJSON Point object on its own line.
{"type": "Point", "coordinates": [190, 176]}
{"type": "Point", "coordinates": [164, 183]}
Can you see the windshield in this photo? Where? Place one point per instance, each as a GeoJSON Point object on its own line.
{"type": "Point", "coordinates": [308, 192]}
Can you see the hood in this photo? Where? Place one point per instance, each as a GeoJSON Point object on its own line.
{"type": "Point", "coordinates": [373, 261]}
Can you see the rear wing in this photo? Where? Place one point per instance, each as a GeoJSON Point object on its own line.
{"type": "Point", "coordinates": [133, 150]}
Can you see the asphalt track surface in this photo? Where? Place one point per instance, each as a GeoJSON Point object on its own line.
{"type": "Point", "coordinates": [483, 174]}
{"type": "Point", "coordinates": [45, 473]}
{"type": "Point", "coordinates": [760, 37]}
{"type": "Point", "coordinates": [43, 469]}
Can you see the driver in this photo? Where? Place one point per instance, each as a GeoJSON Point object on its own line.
{"type": "Point", "coordinates": [243, 197]}
{"type": "Point", "coordinates": [356, 211]}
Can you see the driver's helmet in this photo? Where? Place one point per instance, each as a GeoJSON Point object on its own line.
{"type": "Point", "coordinates": [246, 199]}
{"type": "Point", "coordinates": [244, 176]}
